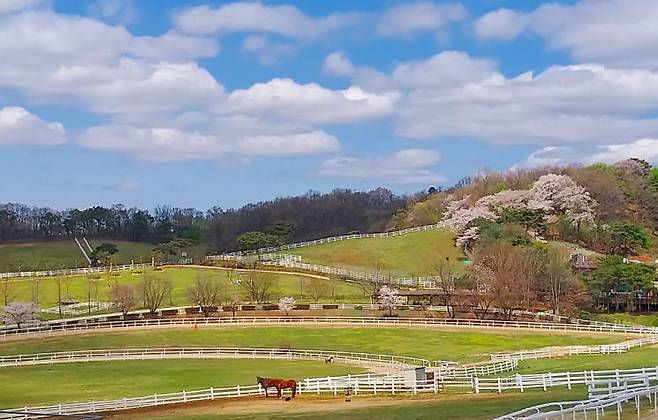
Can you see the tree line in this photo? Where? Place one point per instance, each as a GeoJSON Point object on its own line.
{"type": "Point", "coordinates": [304, 217]}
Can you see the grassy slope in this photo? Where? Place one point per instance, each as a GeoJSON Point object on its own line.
{"type": "Point", "coordinates": [80, 381]}
{"type": "Point", "coordinates": [63, 254]}
{"type": "Point", "coordinates": [77, 287]}
{"type": "Point", "coordinates": [630, 319]}
{"type": "Point", "coordinates": [411, 254]}
{"type": "Point", "coordinates": [635, 358]}
{"type": "Point", "coordinates": [436, 344]}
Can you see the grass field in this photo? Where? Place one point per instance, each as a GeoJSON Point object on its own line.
{"type": "Point", "coordinates": [411, 254]}
{"type": "Point", "coordinates": [82, 381]}
{"type": "Point", "coordinates": [435, 344]}
{"type": "Point", "coordinates": [442, 407]}
{"type": "Point", "coordinates": [56, 255]}
{"type": "Point", "coordinates": [630, 319]}
{"type": "Point", "coordinates": [79, 287]}
{"type": "Point", "coordinates": [635, 358]}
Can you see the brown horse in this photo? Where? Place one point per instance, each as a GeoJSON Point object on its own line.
{"type": "Point", "coordinates": [279, 384]}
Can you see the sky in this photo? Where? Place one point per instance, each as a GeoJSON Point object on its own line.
{"type": "Point", "coordinates": [202, 103]}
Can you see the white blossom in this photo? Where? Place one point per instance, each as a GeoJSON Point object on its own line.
{"type": "Point", "coordinates": [287, 304]}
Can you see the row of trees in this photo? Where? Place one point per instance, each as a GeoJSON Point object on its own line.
{"type": "Point", "coordinates": [309, 216]}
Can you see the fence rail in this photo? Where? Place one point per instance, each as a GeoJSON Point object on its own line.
{"type": "Point", "coordinates": [580, 409]}
{"type": "Point", "coordinates": [76, 271]}
{"type": "Point", "coordinates": [392, 383]}
{"type": "Point", "coordinates": [341, 238]}
{"type": "Point", "coordinates": [74, 326]}
{"type": "Point", "coordinates": [391, 361]}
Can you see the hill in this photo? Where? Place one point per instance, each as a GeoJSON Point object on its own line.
{"type": "Point", "coordinates": [411, 254]}
{"type": "Point", "coordinates": [26, 256]}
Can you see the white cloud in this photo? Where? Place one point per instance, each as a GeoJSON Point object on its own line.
{"type": "Point", "coordinates": [617, 32]}
{"type": "Point", "coordinates": [311, 102]}
{"type": "Point", "coordinates": [282, 20]}
{"type": "Point", "coordinates": [410, 18]}
{"type": "Point", "coordinates": [410, 166]}
{"type": "Point", "coordinates": [171, 144]}
{"type": "Point", "coordinates": [13, 6]}
{"type": "Point", "coordinates": [646, 148]}
{"type": "Point", "coordinates": [268, 53]}
{"type": "Point", "coordinates": [19, 127]}
{"type": "Point", "coordinates": [337, 64]}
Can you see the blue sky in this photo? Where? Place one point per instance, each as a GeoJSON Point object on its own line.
{"type": "Point", "coordinates": [202, 103]}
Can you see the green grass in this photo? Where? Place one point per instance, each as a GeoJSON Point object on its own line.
{"type": "Point", "coordinates": [411, 254]}
{"type": "Point", "coordinates": [433, 344]}
{"type": "Point", "coordinates": [78, 287]}
{"type": "Point", "coordinates": [56, 255]}
{"type": "Point", "coordinates": [630, 319]}
{"type": "Point", "coordinates": [108, 380]}
{"type": "Point", "coordinates": [635, 358]}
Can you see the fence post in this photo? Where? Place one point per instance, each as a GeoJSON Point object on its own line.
{"type": "Point", "coordinates": [212, 393]}
{"type": "Point", "coordinates": [238, 388]}
{"type": "Point", "coordinates": [476, 384]}
{"type": "Point", "coordinates": [184, 396]}
{"type": "Point", "coordinates": [568, 380]}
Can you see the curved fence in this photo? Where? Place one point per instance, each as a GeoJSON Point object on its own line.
{"type": "Point", "coordinates": [76, 271]}
{"type": "Point", "coordinates": [396, 383]}
{"type": "Point", "coordinates": [66, 327]}
{"type": "Point", "coordinates": [595, 408]}
{"type": "Point", "coordinates": [363, 359]}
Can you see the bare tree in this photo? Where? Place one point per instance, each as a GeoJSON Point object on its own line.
{"type": "Point", "coordinates": [6, 291]}
{"type": "Point", "coordinates": [258, 286]}
{"type": "Point", "coordinates": [154, 290]}
{"type": "Point", "coordinates": [318, 289]}
{"type": "Point", "coordinates": [19, 313]}
{"type": "Point", "coordinates": [205, 292]}
{"type": "Point", "coordinates": [124, 297]}
{"type": "Point", "coordinates": [447, 281]}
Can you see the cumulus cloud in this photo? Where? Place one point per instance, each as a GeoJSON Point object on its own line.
{"type": "Point", "coordinates": [20, 127]}
{"type": "Point", "coordinates": [311, 102]}
{"type": "Point", "coordinates": [410, 18]}
{"type": "Point", "coordinates": [172, 144]}
{"type": "Point", "coordinates": [337, 64]}
{"type": "Point", "coordinates": [618, 32]}
{"type": "Point", "coordinates": [282, 20]}
{"type": "Point", "coordinates": [123, 12]}
{"type": "Point", "coordinates": [646, 148]}
{"type": "Point", "coordinates": [410, 166]}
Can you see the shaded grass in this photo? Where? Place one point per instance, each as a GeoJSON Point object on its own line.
{"type": "Point", "coordinates": [630, 319]}
{"type": "Point", "coordinates": [411, 254]}
{"type": "Point", "coordinates": [436, 344]}
{"type": "Point", "coordinates": [52, 384]}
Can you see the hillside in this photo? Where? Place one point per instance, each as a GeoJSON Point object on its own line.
{"type": "Point", "coordinates": [63, 254]}
{"type": "Point", "coordinates": [624, 193]}
{"type": "Point", "coordinates": [411, 254]}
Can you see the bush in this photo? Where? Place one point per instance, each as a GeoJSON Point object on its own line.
{"type": "Point", "coordinates": [248, 307]}
{"type": "Point", "coordinates": [329, 306]}
{"type": "Point", "coordinates": [270, 307]}
{"type": "Point", "coordinates": [303, 306]}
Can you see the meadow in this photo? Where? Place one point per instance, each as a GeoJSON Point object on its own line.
{"type": "Point", "coordinates": [56, 255]}
{"type": "Point", "coordinates": [412, 254]}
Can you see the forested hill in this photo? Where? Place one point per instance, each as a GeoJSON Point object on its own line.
{"type": "Point", "coordinates": [612, 209]}
{"type": "Point", "coordinates": [312, 215]}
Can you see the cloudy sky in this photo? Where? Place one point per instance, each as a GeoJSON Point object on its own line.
{"type": "Point", "coordinates": [201, 103]}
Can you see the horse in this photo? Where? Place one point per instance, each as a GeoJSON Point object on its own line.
{"type": "Point", "coordinates": [328, 360]}
{"type": "Point", "coordinates": [279, 384]}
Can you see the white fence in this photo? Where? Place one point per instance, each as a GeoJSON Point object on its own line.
{"type": "Point", "coordinates": [75, 271]}
{"type": "Point", "coordinates": [74, 326]}
{"type": "Point", "coordinates": [393, 362]}
{"type": "Point", "coordinates": [343, 238]}
{"type": "Point", "coordinates": [397, 383]}
{"type": "Point", "coordinates": [596, 408]}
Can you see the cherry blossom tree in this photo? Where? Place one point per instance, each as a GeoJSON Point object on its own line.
{"type": "Point", "coordinates": [388, 299]}
{"type": "Point", "coordinates": [19, 313]}
{"type": "Point", "coordinates": [287, 304]}
{"type": "Point", "coordinates": [559, 194]}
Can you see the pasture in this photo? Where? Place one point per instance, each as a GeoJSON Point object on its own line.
{"type": "Point", "coordinates": [434, 344]}
{"type": "Point", "coordinates": [411, 254]}
{"type": "Point", "coordinates": [98, 287]}
{"type": "Point", "coordinates": [51, 384]}
{"type": "Point", "coordinates": [56, 255]}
